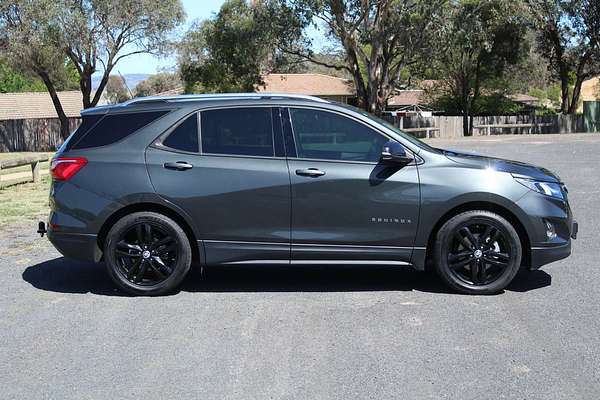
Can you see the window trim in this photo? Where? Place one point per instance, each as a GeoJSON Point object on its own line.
{"type": "Point", "coordinates": [269, 107]}
{"type": "Point", "coordinates": [377, 131]}
{"type": "Point", "coordinates": [158, 142]}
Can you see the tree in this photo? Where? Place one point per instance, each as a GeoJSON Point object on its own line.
{"type": "Point", "coordinates": [92, 35]}
{"type": "Point", "coordinates": [116, 91]}
{"type": "Point", "coordinates": [232, 51]}
{"type": "Point", "coordinates": [100, 33]}
{"type": "Point", "coordinates": [157, 83]}
{"type": "Point", "coordinates": [381, 40]}
{"type": "Point", "coordinates": [28, 40]}
{"type": "Point", "coordinates": [569, 37]}
{"type": "Point", "coordinates": [478, 39]}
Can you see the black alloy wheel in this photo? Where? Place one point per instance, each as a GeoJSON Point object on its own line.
{"type": "Point", "coordinates": [478, 252]}
{"type": "Point", "coordinates": [147, 253]}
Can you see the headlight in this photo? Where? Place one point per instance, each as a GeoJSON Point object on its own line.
{"type": "Point", "coordinates": [548, 188]}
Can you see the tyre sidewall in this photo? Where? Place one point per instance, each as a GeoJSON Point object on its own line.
{"type": "Point", "coordinates": [444, 238]}
{"type": "Point", "coordinates": [183, 248]}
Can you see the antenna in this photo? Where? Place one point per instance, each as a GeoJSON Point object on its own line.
{"type": "Point", "coordinates": [125, 84]}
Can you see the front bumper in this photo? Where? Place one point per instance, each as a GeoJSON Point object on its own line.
{"type": "Point", "coordinates": [545, 255]}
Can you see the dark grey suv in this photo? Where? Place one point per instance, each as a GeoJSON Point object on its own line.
{"type": "Point", "coordinates": [155, 185]}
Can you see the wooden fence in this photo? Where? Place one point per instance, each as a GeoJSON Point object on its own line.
{"type": "Point", "coordinates": [452, 127]}
{"type": "Point", "coordinates": [32, 134]}
{"type": "Point", "coordinates": [33, 161]}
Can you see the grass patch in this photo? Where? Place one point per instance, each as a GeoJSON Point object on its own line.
{"type": "Point", "coordinates": [24, 202]}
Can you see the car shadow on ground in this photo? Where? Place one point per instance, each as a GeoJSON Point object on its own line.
{"type": "Point", "coordinates": [68, 276]}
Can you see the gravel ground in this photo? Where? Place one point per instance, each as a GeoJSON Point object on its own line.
{"type": "Point", "coordinates": [311, 333]}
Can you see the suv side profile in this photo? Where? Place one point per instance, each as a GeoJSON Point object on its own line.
{"type": "Point", "coordinates": [154, 185]}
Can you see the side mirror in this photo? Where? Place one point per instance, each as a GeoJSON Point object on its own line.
{"type": "Point", "coordinates": [395, 152]}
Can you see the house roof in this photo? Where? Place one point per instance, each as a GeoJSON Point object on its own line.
{"type": "Point", "coordinates": [309, 84]}
{"type": "Point", "coordinates": [31, 105]}
{"type": "Point", "coordinates": [407, 98]}
{"type": "Point", "coordinates": [523, 98]}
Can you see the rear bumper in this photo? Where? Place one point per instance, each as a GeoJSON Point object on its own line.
{"type": "Point", "coordinates": [78, 246]}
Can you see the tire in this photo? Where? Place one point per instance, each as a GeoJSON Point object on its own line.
{"type": "Point", "coordinates": [477, 252]}
{"type": "Point", "coordinates": [147, 254]}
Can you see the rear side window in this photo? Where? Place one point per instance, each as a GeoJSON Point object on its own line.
{"type": "Point", "coordinates": [237, 131]}
{"type": "Point", "coordinates": [113, 128]}
{"type": "Point", "coordinates": [87, 123]}
{"type": "Point", "coordinates": [185, 136]}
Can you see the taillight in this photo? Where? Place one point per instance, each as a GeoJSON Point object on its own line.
{"type": "Point", "coordinates": [63, 168]}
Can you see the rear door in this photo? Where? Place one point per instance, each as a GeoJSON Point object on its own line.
{"type": "Point", "coordinates": [346, 205]}
{"type": "Point", "coordinates": [226, 169]}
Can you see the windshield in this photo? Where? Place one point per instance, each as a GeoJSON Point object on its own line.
{"type": "Point", "coordinates": [396, 130]}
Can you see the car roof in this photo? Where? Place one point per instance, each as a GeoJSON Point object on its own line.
{"type": "Point", "coordinates": [208, 100]}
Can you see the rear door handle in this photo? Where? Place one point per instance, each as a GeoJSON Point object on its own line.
{"type": "Point", "coordinates": [178, 166]}
{"type": "Point", "coordinates": [312, 172]}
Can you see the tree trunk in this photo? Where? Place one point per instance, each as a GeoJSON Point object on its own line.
{"type": "Point", "coordinates": [65, 131]}
{"type": "Point", "coordinates": [465, 123]}
{"type": "Point", "coordinates": [575, 96]}
{"type": "Point", "coordinates": [471, 124]}
{"type": "Point", "coordinates": [564, 89]}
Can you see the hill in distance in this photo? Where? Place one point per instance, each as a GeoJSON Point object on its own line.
{"type": "Point", "coordinates": [130, 79]}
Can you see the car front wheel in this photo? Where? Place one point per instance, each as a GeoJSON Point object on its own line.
{"type": "Point", "coordinates": [477, 252]}
{"type": "Point", "coordinates": [147, 254]}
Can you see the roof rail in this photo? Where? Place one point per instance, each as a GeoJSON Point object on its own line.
{"type": "Point", "coordinates": [221, 96]}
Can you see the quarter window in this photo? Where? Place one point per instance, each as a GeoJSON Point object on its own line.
{"type": "Point", "coordinates": [185, 136]}
{"type": "Point", "coordinates": [112, 128]}
{"type": "Point", "coordinates": [329, 136]}
{"type": "Point", "coordinates": [237, 131]}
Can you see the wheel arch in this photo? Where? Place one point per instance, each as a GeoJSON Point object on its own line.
{"type": "Point", "coordinates": [484, 206]}
{"type": "Point", "coordinates": [157, 208]}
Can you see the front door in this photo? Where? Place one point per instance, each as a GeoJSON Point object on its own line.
{"type": "Point", "coordinates": [231, 179]}
{"type": "Point", "coordinates": [346, 205]}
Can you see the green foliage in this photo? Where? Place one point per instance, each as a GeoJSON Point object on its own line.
{"type": "Point", "coordinates": [157, 83]}
{"type": "Point", "coordinates": [232, 51]}
{"type": "Point", "coordinates": [568, 34]}
{"type": "Point", "coordinates": [13, 81]}
{"type": "Point", "coordinates": [478, 41]}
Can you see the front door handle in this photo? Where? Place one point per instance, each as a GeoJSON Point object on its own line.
{"type": "Point", "coordinates": [178, 166]}
{"type": "Point", "coordinates": [312, 172]}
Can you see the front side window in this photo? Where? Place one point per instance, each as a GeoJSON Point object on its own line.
{"type": "Point", "coordinates": [237, 131]}
{"type": "Point", "coordinates": [328, 136]}
{"type": "Point", "coordinates": [185, 136]}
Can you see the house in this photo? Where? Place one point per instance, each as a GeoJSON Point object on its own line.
{"type": "Point", "coordinates": [590, 91]}
{"type": "Point", "coordinates": [28, 121]}
{"type": "Point", "coordinates": [319, 85]}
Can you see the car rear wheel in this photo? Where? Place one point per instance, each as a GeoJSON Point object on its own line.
{"type": "Point", "coordinates": [147, 254]}
{"type": "Point", "coordinates": [477, 252]}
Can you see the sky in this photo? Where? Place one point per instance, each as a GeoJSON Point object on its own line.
{"type": "Point", "coordinates": [148, 64]}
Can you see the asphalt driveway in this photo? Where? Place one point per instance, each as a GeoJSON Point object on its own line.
{"type": "Point", "coordinates": [311, 333]}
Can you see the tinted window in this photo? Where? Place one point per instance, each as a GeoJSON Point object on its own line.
{"type": "Point", "coordinates": [237, 131]}
{"type": "Point", "coordinates": [329, 136]}
{"type": "Point", "coordinates": [113, 128]}
{"type": "Point", "coordinates": [87, 123]}
{"type": "Point", "coordinates": [185, 136]}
